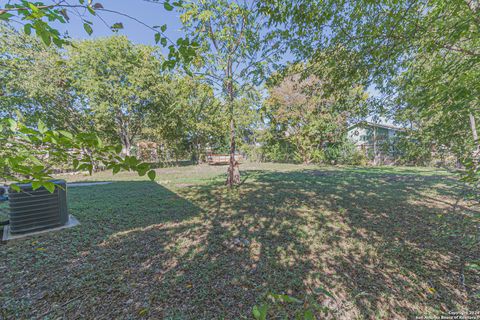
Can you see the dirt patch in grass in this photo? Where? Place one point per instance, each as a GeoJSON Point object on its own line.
{"type": "Point", "coordinates": [384, 247]}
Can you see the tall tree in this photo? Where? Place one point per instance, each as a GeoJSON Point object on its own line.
{"type": "Point", "coordinates": [120, 81]}
{"type": "Point", "coordinates": [22, 161]}
{"type": "Point", "coordinates": [36, 97]}
{"type": "Point", "coordinates": [35, 81]}
{"type": "Point", "coordinates": [432, 44]}
{"type": "Point", "coordinates": [439, 95]}
{"type": "Point", "coordinates": [237, 50]}
{"type": "Point", "coordinates": [191, 120]}
{"type": "Point", "coordinates": [384, 34]}
{"type": "Point", "coordinates": [310, 112]}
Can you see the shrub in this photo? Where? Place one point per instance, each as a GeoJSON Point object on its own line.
{"type": "Point", "coordinates": [344, 153]}
{"type": "Point", "coordinates": [279, 152]}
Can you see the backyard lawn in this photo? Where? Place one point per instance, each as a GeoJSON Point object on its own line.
{"type": "Point", "coordinates": [375, 243]}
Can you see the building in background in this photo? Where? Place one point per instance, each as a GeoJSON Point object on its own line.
{"type": "Point", "coordinates": [376, 140]}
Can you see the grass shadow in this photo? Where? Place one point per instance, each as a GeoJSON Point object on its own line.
{"type": "Point", "coordinates": [386, 244]}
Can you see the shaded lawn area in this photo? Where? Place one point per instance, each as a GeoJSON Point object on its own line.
{"type": "Point", "coordinates": [386, 242]}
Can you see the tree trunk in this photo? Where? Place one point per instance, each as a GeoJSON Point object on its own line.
{"type": "Point", "coordinates": [476, 152]}
{"type": "Point", "coordinates": [374, 146]}
{"type": "Point", "coordinates": [126, 146]}
{"type": "Point", "coordinates": [474, 128]}
{"type": "Point", "coordinates": [123, 134]}
{"type": "Point", "coordinates": [233, 173]}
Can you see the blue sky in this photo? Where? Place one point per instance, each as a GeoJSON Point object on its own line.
{"type": "Point", "coordinates": [147, 12]}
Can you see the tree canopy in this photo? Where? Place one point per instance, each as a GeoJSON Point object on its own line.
{"type": "Point", "coordinates": [236, 51]}
{"type": "Point", "coordinates": [122, 84]}
{"type": "Point", "coordinates": [421, 57]}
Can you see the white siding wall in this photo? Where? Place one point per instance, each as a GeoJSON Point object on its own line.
{"type": "Point", "coordinates": [357, 138]}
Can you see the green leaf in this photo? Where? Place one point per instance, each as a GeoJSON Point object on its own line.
{"type": "Point", "coordinates": [36, 185]}
{"type": "Point", "coordinates": [163, 28]}
{"type": "Point", "coordinates": [99, 142]}
{"type": "Point", "coordinates": [88, 28]}
{"type": "Point", "coordinates": [151, 175]}
{"type": "Point", "coordinates": [117, 26]}
{"type": "Point", "coordinates": [45, 35]}
{"type": "Point", "coordinates": [473, 266]}
{"type": "Point", "coordinates": [308, 315]}
{"type": "Point", "coordinates": [157, 37]}
{"type": "Point", "coordinates": [50, 186]}
{"type": "Point", "coordinates": [164, 42]}
{"type": "Point", "coordinates": [58, 42]}
{"type": "Point", "coordinates": [116, 169]}
{"type": "Point", "coordinates": [12, 124]}
{"type": "Point", "coordinates": [256, 312]}
{"type": "Point", "coordinates": [290, 299]}
{"type": "Point", "coordinates": [27, 28]}
{"type": "Point", "coordinates": [90, 9]}
{"type": "Point", "coordinates": [15, 187]}
{"type": "Point", "coordinates": [66, 134]}
{"type": "Point", "coordinates": [260, 313]}
{"type": "Point", "coordinates": [41, 126]}
{"type": "Point", "coordinates": [285, 298]}
{"type": "Point", "coordinates": [5, 16]}
{"type": "Point", "coordinates": [32, 7]}
{"type": "Point", "coordinates": [142, 169]}
{"type": "Point", "coordinates": [118, 149]}
{"type": "Point", "coordinates": [35, 160]}
{"type": "Point", "coordinates": [167, 6]}
{"type": "Point", "coordinates": [37, 168]}
{"type": "Point", "coordinates": [131, 161]}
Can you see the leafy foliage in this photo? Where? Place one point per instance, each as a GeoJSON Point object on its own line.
{"type": "Point", "coordinates": [40, 17]}
{"type": "Point", "coordinates": [414, 148]}
{"type": "Point", "coordinates": [28, 154]}
{"type": "Point", "coordinates": [421, 55]}
{"type": "Point", "coordinates": [236, 51]}
{"type": "Point", "coordinates": [35, 80]}
{"type": "Point", "coordinates": [192, 120]}
{"type": "Point", "coordinates": [307, 115]}
{"type": "Point", "coordinates": [121, 83]}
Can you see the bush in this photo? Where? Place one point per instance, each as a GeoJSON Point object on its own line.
{"type": "Point", "coordinates": [252, 152]}
{"type": "Point", "coordinates": [318, 156]}
{"type": "Point", "coordinates": [344, 153]}
{"type": "Point", "coordinates": [279, 152]}
{"type": "Point", "coordinates": [413, 150]}
{"type": "Point", "coordinates": [336, 153]}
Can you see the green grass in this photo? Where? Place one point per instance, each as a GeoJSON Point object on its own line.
{"type": "Point", "coordinates": [388, 243]}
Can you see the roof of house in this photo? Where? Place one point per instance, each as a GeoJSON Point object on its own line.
{"type": "Point", "coordinates": [378, 125]}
